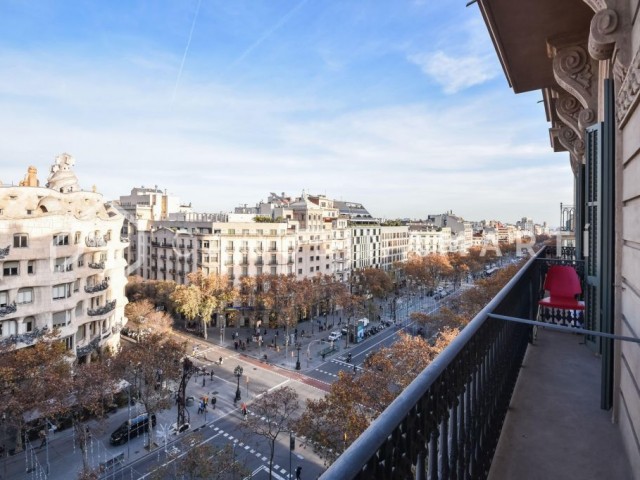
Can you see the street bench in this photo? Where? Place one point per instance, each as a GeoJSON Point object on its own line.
{"type": "Point", "coordinates": [117, 460]}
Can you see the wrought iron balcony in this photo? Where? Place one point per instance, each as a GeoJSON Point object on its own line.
{"type": "Point", "coordinates": [103, 285]}
{"type": "Point", "coordinates": [25, 338]}
{"type": "Point", "coordinates": [106, 308]}
{"type": "Point", "coordinates": [4, 252]}
{"type": "Point", "coordinates": [7, 309]}
{"type": "Point", "coordinates": [447, 422]}
{"type": "Point", "coordinates": [95, 241]}
{"type": "Point", "coordinates": [124, 239]}
{"type": "Point", "coordinates": [96, 265]}
{"type": "Point", "coordinates": [90, 347]}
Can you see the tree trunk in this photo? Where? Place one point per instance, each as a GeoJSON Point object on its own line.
{"type": "Point", "coordinates": [204, 328]}
{"type": "Point", "coordinates": [272, 444]}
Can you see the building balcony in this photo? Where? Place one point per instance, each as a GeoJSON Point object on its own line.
{"type": "Point", "coordinates": [96, 265]}
{"type": "Point", "coordinates": [451, 419]}
{"type": "Point", "coordinates": [103, 285]}
{"type": "Point", "coordinates": [106, 308]}
{"type": "Point", "coordinates": [95, 241]}
{"type": "Point", "coordinates": [8, 309]}
{"type": "Point", "coordinates": [4, 252]}
{"type": "Point", "coordinates": [25, 339]}
{"type": "Point", "coordinates": [90, 347]}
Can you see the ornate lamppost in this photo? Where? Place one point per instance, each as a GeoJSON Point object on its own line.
{"type": "Point", "coordinates": [298, 347]}
{"type": "Point", "coordinates": [238, 373]}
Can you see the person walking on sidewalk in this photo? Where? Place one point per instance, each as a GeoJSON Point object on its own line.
{"type": "Point", "coordinates": [213, 402]}
{"type": "Point", "coordinates": [243, 408]}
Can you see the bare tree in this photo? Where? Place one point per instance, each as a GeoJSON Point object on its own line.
{"type": "Point", "coordinates": [274, 412]}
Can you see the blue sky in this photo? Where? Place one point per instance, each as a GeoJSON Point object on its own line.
{"type": "Point", "coordinates": [398, 104]}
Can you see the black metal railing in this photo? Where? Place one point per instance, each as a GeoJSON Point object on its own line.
{"type": "Point", "coordinates": [447, 422]}
{"type": "Point", "coordinates": [96, 265]}
{"type": "Point", "coordinates": [106, 308]}
{"type": "Point", "coordinates": [25, 338]}
{"type": "Point", "coordinates": [4, 252]}
{"type": "Point", "coordinates": [90, 347]}
{"type": "Point", "coordinates": [7, 309]}
{"type": "Point", "coordinates": [95, 241]}
{"type": "Point", "coordinates": [98, 287]}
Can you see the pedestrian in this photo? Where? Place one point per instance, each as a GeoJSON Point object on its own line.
{"type": "Point", "coordinates": [243, 407]}
{"type": "Point", "coordinates": [43, 437]}
{"type": "Point", "coordinates": [235, 344]}
{"type": "Point", "coordinates": [203, 380]}
{"type": "Point", "coordinates": [355, 369]}
{"type": "Point", "coordinates": [206, 400]}
{"type": "Point", "coordinates": [265, 332]}
{"type": "Point", "coordinates": [298, 472]}
{"type": "Point", "coordinates": [213, 402]}
{"type": "Point", "coordinates": [211, 375]}
{"type": "Point", "coordinates": [220, 360]}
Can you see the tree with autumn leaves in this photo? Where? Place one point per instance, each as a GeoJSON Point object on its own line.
{"type": "Point", "coordinates": [203, 296]}
{"type": "Point", "coordinates": [152, 366]}
{"type": "Point", "coordinates": [354, 401]}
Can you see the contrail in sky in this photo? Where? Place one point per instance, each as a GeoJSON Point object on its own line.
{"type": "Point", "coordinates": [270, 32]}
{"type": "Point", "coordinates": [186, 50]}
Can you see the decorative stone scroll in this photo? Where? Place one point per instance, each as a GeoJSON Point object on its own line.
{"type": "Point", "coordinates": [570, 111]}
{"type": "Point", "coordinates": [574, 69]}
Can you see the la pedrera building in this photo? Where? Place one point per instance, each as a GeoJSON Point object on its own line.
{"type": "Point", "coordinates": [62, 265]}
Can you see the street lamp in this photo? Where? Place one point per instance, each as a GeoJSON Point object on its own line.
{"type": "Point", "coordinates": [298, 347]}
{"type": "Point", "coordinates": [238, 373]}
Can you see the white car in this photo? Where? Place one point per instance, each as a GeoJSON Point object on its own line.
{"type": "Point", "coordinates": [335, 335]}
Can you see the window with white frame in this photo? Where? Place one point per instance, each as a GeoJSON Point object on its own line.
{"type": "Point", "coordinates": [25, 295]}
{"type": "Point", "coordinates": [62, 290]}
{"type": "Point", "coordinates": [61, 239]}
{"type": "Point", "coordinates": [10, 269]}
{"type": "Point", "coordinates": [4, 298]}
{"type": "Point", "coordinates": [61, 319]}
{"type": "Point", "coordinates": [20, 240]}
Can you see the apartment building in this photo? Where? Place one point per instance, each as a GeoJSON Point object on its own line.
{"type": "Point", "coordinates": [394, 245]}
{"type": "Point", "coordinates": [62, 263]}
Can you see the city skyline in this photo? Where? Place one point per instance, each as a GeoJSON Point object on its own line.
{"type": "Point", "coordinates": [221, 104]}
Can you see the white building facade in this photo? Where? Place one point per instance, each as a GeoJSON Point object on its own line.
{"type": "Point", "coordinates": [63, 263]}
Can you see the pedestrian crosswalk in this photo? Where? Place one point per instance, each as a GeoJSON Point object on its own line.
{"type": "Point", "coordinates": [252, 451]}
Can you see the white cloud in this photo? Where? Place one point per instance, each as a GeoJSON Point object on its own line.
{"type": "Point", "coordinates": [219, 146]}
{"type": "Point", "coordinates": [456, 73]}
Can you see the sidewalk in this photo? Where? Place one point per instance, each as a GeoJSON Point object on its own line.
{"type": "Point", "coordinates": [312, 343]}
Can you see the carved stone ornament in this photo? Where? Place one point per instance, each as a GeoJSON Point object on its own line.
{"type": "Point", "coordinates": [568, 108]}
{"type": "Point", "coordinates": [575, 70]}
{"type": "Point", "coordinates": [602, 40]}
{"type": "Point", "coordinates": [569, 140]}
{"type": "Point", "coordinates": [629, 93]}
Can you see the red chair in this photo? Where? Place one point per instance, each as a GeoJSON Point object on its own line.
{"type": "Point", "coordinates": [561, 306]}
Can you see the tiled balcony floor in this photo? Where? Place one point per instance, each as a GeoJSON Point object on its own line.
{"type": "Point", "coordinates": [555, 428]}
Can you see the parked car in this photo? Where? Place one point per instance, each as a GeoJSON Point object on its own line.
{"type": "Point", "coordinates": [132, 428]}
{"type": "Point", "coordinates": [333, 336]}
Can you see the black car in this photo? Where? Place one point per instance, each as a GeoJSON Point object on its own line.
{"type": "Point", "coordinates": [132, 428]}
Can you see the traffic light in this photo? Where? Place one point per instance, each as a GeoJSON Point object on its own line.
{"type": "Point", "coordinates": [292, 442]}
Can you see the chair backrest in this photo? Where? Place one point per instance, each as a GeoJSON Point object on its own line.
{"type": "Point", "coordinates": [562, 281]}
